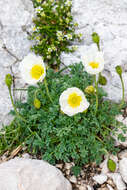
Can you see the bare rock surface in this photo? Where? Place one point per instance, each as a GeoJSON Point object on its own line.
{"type": "Point", "coordinates": [123, 168]}
{"type": "Point", "coordinates": [15, 20]}
{"type": "Point", "coordinates": [27, 174]}
{"type": "Point", "coordinates": [118, 181]}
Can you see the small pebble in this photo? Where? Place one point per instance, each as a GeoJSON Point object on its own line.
{"type": "Point", "coordinates": [83, 187]}
{"type": "Point", "coordinates": [73, 179]}
{"type": "Point", "coordinates": [102, 178]}
{"type": "Point", "coordinates": [68, 166]}
{"type": "Point", "coordinates": [68, 172]}
{"type": "Point", "coordinates": [110, 182]}
{"type": "Point", "coordinates": [109, 187]}
{"type": "Point", "coordinates": [60, 166]}
{"type": "Point", "coordinates": [26, 156]}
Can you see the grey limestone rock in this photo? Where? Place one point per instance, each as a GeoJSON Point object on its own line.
{"type": "Point", "coordinates": [28, 174]}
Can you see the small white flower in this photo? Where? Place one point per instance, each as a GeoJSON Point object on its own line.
{"type": "Point", "coordinates": [68, 14]}
{"type": "Point", "coordinates": [76, 24]}
{"type": "Point", "coordinates": [74, 48]}
{"type": "Point", "coordinates": [39, 1]}
{"type": "Point", "coordinates": [93, 61]}
{"type": "Point", "coordinates": [69, 36]}
{"type": "Point", "coordinates": [37, 38]}
{"type": "Point", "coordinates": [60, 38]}
{"type": "Point", "coordinates": [49, 57]}
{"type": "Point", "coordinates": [34, 29]}
{"type": "Point", "coordinates": [49, 50]}
{"type": "Point", "coordinates": [67, 20]}
{"type": "Point", "coordinates": [53, 48]}
{"type": "Point", "coordinates": [32, 69]}
{"type": "Point", "coordinates": [73, 101]}
{"type": "Point", "coordinates": [68, 3]}
{"type": "Point", "coordinates": [45, 4]}
{"type": "Point", "coordinates": [80, 35]}
{"type": "Point", "coordinates": [38, 9]}
{"type": "Point", "coordinates": [42, 14]}
{"type": "Point", "coordinates": [59, 34]}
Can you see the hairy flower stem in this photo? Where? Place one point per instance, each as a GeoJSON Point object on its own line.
{"type": "Point", "coordinates": [19, 116]}
{"type": "Point", "coordinates": [100, 139]}
{"type": "Point", "coordinates": [22, 89]}
{"type": "Point", "coordinates": [98, 45]}
{"type": "Point", "coordinates": [107, 153]}
{"type": "Point", "coordinates": [123, 91]}
{"type": "Point", "coordinates": [96, 87]}
{"type": "Point", "coordinates": [12, 101]}
{"type": "Point", "coordinates": [47, 90]}
{"type": "Point", "coordinates": [107, 128]}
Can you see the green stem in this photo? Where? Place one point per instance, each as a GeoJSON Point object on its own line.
{"type": "Point", "coordinates": [107, 128]}
{"type": "Point", "coordinates": [98, 45]}
{"type": "Point", "coordinates": [36, 91]}
{"type": "Point", "coordinates": [105, 152]}
{"type": "Point", "coordinates": [99, 139]}
{"type": "Point", "coordinates": [96, 87]}
{"type": "Point", "coordinates": [22, 89]}
{"type": "Point", "coordinates": [47, 90]}
{"type": "Point", "coordinates": [18, 115]}
{"type": "Point", "coordinates": [123, 90]}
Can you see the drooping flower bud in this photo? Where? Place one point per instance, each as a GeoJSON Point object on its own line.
{"type": "Point", "coordinates": [118, 70]}
{"type": "Point", "coordinates": [37, 103]}
{"type": "Point", "coordinates": [8, 80]}
{"type": "Point", "coordinates": [89, 89]}
{"type": "Point", "coordinates": [95, 38]}
{"type": "Point", "coordinates": [102, 80]}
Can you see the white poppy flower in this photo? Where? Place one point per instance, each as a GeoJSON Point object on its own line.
{"type": "Point", "coordinates": [93, 61]}
{"type": "Point", "coordinates": [32, 69]}
{"type": "Point", "coordinates": [73, 101]}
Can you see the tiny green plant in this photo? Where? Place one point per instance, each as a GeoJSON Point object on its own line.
{"type": "Point", "coordinates": [54, 30]}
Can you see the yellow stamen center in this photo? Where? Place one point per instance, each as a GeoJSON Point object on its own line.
{"type": "Point", "coordinates": [74, 100]}
{"type": "Point", "coordinates": [94, 64]}
{"type": "Point", "coordinates": [37, 71]}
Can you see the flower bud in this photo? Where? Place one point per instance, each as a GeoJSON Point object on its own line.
{"type": "Point", "coordinates": [118, 70]}
{"type": "Point", "coordinates": [95, 38]}
{"type": "Point", "coordinates": [37, 103]}
{"type": "Point", "coordinates": [85, 111]}
{"type": "Point", "coordinates": [8, 80]}
{"type": "Point", "coordinates": [61, 112]}
{"type": "Point", "coordinates": [89, 89]}
{"type": "Point", "coordinates": [102, 80]}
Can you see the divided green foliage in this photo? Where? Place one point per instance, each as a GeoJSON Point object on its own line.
{"type": "Point", "coordinates": [54, 136]}
{"type": "Point", "coordinates": [54, 30]}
